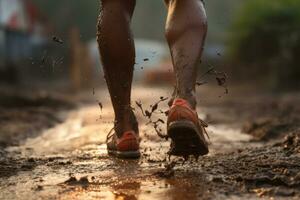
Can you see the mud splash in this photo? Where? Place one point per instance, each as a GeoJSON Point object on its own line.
{"type": "Point", "coordinates": [69, 161]}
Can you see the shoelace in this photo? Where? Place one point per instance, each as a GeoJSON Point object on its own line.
{"type": "Point", "coordinates": [204, 125]}
{"type": "Point", "coordinates": [110, 134]}
{"type": "Point", "coordinates": [201, 122]}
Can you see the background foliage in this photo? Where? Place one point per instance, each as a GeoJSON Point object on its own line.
{"type": "Point", "coordinates": [265, 38]}
{"type": "Point", "coordinates": [261, 38]}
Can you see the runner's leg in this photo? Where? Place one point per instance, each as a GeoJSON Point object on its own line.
{"type": "Point", "coordinates": [186, 29]}
{"type": "Point", "coordinates": [117, 52]}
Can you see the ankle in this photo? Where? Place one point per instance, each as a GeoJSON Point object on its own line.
{"type": "Point", "coordinates": [128, 122]}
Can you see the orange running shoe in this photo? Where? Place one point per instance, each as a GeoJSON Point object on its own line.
{"type": "Point", "coordinates": [186, 130]}
{"type": "Point", "coordinates": [128, 146]}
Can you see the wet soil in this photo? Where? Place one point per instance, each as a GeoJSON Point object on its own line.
{"type": "Point", "coordinates": [25, 115]}
{"type": "Point", "coordinates": [67, 158]}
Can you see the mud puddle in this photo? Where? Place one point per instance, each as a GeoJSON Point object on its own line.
{"type": "Point", "coordinates": [69, 161]}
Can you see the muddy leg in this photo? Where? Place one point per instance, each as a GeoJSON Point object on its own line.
{"type": "Point", "coordinates": [117, 52]}
{"type": "Point", "coordinates": [186, 29]}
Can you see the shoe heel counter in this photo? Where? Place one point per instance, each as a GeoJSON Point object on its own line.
{"type": "Point", "coordinates": [129, 142]}
{"type": "Point", "coordinates": [181, 110]}
{"type": "Point", "coordinates": [181, 113]}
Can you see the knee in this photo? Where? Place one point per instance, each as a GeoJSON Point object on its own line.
{"type": "Point", "coordinates": [175, 31]}
{"type": "Point", "coordinates": [115, 10]}
{"type": "Point", "coordinates": [177, 23]}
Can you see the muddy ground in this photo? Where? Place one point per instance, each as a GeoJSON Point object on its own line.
{"type": "Point", "coordinates": [53, 147]}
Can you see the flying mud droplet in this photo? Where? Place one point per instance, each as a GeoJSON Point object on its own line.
{"type": "Point", "coordinates": [154, 108]}
{"type": "Point", "coordinates": [101, 108]}
{"type": "Point", "coordinates": [100, 105]}
{"type": "Point", "coordinates": [57, 40]}
{"type": "Point", "coordinates": [221, 78]}
{"type": "Point", "coordinates": [44, 58]}
{"type": "Point", "coordinates": [201, 83]}
{"type": "Point", "coordinates": [149, 114]}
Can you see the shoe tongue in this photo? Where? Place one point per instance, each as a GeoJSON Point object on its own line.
{"type": "Point", "coordinates": [181, 102]}
{"type": "Point", "coordinates": [128, 133]}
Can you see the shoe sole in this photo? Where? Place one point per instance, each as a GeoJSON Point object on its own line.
{"type": "Point", "coordinates": [125, 154]}
{"type": "Point", "coordinates": [186, 139]}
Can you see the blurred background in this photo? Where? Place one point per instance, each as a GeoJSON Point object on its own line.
{"type": "Point", "coordinates": [55, 110]}
{"type": "Point", "coordinates": [51, 44]}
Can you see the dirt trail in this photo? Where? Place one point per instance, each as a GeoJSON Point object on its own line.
{"type": "Point", "coordinates": [69, 161]}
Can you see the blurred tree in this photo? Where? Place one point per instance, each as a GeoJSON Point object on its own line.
{"type": "Point", "coordinates": [265, 38]}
